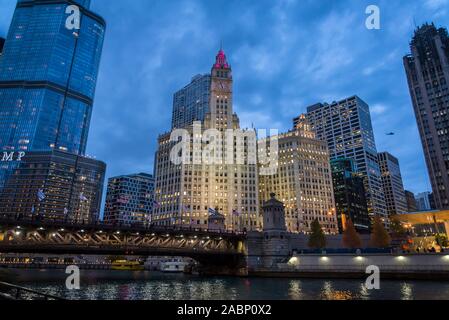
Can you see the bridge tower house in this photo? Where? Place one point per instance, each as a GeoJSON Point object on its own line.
{"type": "Point", "coordinates": [276, 239]}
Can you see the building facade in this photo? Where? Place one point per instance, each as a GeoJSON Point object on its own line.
{"type": "Point", "coordinates": [411, 201]}
{"type": "Point", "coordinates": [302, 181]}
{"type": "Point", "coordinates": [191, 103]}
{"type": "Point", "coordinates": [48, 76]}
{"type": "Point", "coordinates": [54, 185]}
{"type": "Point", "coordinates": [185, 191]}
{"type": "Point", "coordinates": [129, 200]}
{"type": "Point", "coordinates": [392, 184]}
{"type": "Point", "coordinates": [427, 69]}
{"type": "Point", "coordinates": [347, 128]}
{"type": "Point", "coordinates": [424, 201]}
{"type": "Point", "coordinates": [350, 200]}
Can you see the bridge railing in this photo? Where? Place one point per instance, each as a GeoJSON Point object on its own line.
{"type": "Point", "coordinates": [12, 292]}
{"type": "Point", "coordinates": [58, 223]}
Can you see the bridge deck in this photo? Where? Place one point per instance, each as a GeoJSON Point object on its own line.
{"type": "Point", "coordinates": [56, 237]}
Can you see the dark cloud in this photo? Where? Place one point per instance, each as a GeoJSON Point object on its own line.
{"type": "Point", "coordinates": [285, 54]}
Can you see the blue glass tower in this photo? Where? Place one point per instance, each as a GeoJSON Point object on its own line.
{"type": "Point", "coordinates": [48, 75]}
{"type": "Point", "coordinates": [191, 103]}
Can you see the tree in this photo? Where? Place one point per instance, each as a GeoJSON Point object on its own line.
{"type": "Point", "coordinates": [317, 239]}
{"type": "Point", "coordinates": [397, 229]}
{"type": "Point", "coordinates": [351, 239]}
{"type": "Point", "coordinates": [379, 236]}
{"type": "Point", "coordinates": [442, 240]}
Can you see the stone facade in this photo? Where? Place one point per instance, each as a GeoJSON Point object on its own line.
{"type": "Point", "coordinates": [303, 181]}
{"type": "Point", "coordinates": [205, 179]}
{"type": "Point", "coordinates": [275, 245]}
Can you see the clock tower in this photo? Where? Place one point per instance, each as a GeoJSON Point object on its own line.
{"type": "Point", "coordinates": [221, 111]}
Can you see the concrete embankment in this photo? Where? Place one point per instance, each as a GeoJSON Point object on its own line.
{"type": "Point", "coordinates": [402, 267]}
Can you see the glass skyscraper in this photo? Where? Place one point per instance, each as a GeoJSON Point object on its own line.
{"type": "Point", "coordinates": [48, 75]}
{"type": "Point", "coordinates": [191, 103]}
{"type": "Point", "coordinates": [129, 200]}
{"type": "Point", "coordinates": [350, 199]}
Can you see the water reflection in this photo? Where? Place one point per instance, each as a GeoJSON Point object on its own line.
{"type": "Point", "coordinates": [407, 291]}
{"type": "Point", "coordinates": [295, 290]}
{"type": "Point", "coordinates": [364, 292]}
{"type": "Point", "coordinates": [117, 285]}
{"type": "Point", "coordinates": [329, 293]}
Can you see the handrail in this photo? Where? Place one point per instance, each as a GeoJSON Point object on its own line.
{"type": "Point", "coordinates": [120, 227]}
{"type": "Point", "coordinates": [19, 290]}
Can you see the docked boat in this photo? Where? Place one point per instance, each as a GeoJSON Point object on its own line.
{"type": "Point", "coordinates": [125, 265]}
{"type": "Point", "coordinates": [173, 266]}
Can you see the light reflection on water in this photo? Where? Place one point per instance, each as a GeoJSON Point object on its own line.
{"type": "Point", "coordinates": [123, 285]}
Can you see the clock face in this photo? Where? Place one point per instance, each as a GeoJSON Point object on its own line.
{"type": "Point", "coordinates": [222, 85]}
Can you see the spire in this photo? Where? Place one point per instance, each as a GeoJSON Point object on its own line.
{"type": "Point", "coordinates": [221, 61]}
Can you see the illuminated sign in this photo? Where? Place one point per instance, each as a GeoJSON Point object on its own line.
{"type": "Point", "coordinates": [12, 156]}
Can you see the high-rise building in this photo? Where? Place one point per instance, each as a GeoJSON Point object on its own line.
{"type": "Point", "coordinates": [424, 201]}
{"type": "Point", "coordinates": [392, 184]}
{"type": "Point", "coordinates": [427, 69]}
{"type": "Point", "coordinates": [186, 192]}
{"type": "Point", "coordinates": [54, 185]}
{"type": "Point", "coordinates": [411, 201]}
{"type": "Point", "coordinates": [191, 103]}
{"type": "Point", "coordinates": [347, 128]}
{"type": "Point", "coordinates": [2, 43]}
{"type": "Point", "coordinates": [48, 76]}
{"type": "Point", "coordinates": [302, 181]}
{"type": "Point", "coordinates": [350, 199]}
{"type": "Point", "coordinates": [129, 200]}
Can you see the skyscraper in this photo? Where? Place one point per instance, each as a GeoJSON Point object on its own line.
{"type": "Point", "coordinates": [350, 199]}
{"type": "Point", "coordinates": [54, 185]}
{"type": "Point", "coordinates": [411, 201]}
{"type": "Point", "coordinates": [48, 76]}
{"type": "Point", "coordinates": [191, 103]}
{"type": "Point", "coordinates": [424, 201]}
{"type": "Point", "coordinates": [427, 69]}
{"type": "Point", "coordinates": [303, 181]}
{"type": "Point", "coordinates": [185, 193]}
{"type": "Point", "coordinates": [392, 184]}
{"type": "Point", "coordinates": [129, 200]}
{"type": "Point", "coordinates": [346, 127]}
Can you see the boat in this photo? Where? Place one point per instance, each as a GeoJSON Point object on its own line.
{"type": "Point", "coordinates": [125, 265]}
{"type": "Point", "coordinates": [173, 266]}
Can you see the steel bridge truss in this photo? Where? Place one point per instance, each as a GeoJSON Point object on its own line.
{"type": "Point", "coordinates": [69, 239]}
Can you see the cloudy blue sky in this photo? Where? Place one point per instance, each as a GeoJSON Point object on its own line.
{"type": "Point", "coordinates": [286, 55]}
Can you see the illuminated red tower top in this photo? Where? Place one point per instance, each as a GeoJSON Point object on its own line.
{"type": "Point", "coordinates": [221, 62]}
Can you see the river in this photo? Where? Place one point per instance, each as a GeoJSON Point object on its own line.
{"type": "Point", "coordinates": [124, 285]}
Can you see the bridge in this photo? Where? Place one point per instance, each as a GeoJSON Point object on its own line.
{"type": "Point", "coordinates": [216, 252]}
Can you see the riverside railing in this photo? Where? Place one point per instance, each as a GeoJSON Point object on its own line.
{"type": "Point", "coordinates": [12, 292]}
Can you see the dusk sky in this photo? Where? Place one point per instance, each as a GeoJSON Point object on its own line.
{"type": "Point", "coordinates": [286, 55]}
